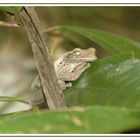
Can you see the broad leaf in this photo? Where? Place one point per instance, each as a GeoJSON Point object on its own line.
{"type": "Point", "coordinates": [81, 120]}
{"type": "Point", "coordinates": [113, 43]}
{"type": "Point", "coordinates": [111, 81]}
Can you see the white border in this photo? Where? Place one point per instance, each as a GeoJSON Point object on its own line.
{"type": "Point", "coordinates": [69, 138]}
{"type": "Point", "coordinates": [71, 1]}
{"type": "Point", "coordinates": [70, 4]}
{"type": "Point", "coordinates": [70, 135]}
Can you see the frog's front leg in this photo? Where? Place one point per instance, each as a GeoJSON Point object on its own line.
{"type": "Point", "coordinates": [65, 85]}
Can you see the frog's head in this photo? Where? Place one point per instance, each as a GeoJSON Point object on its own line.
{"type": "Point", "coordinates": [82, 55]}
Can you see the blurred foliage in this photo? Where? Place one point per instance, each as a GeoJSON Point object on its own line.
{"type": "Point", "coordinates": [11, 9]}
{"type": "Point", "coordinates": [121, 20]}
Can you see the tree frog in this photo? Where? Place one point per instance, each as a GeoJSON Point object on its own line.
{"type": "Point", "coordinates": [68, 68]}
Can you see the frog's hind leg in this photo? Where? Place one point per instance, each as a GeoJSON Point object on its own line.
{"type": "Point", "coordinates": [74, 73]}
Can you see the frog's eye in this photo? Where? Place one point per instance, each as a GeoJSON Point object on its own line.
{"type": "Point", "coordinates": [77, 53]}
{"type": "Point", "coordinates": [61, 63]}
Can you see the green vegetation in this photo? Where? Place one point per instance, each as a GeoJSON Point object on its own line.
{"type": "Point", "coordinates": [105, 99]}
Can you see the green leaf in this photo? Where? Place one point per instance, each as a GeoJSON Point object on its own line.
{"type": "Point", "coordinates": [110, 81]}
{"type": "Point", "coordinates": [11, 9]}
{"type": "Point", "coordinates": [79, 120]}
{"type": "Point", "coordinates": [10, 99]}
{"type": "Point", "coordinates": [113, 43]}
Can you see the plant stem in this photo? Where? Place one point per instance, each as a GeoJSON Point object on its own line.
{"type": "Point", "coordinates": [45, 64]}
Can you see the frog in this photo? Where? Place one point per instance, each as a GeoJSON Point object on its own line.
{"type": "Point", "coordinates": [68, 68]}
